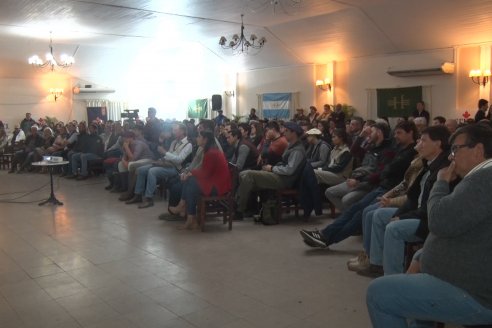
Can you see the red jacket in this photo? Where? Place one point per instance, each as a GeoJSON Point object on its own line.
{"type": "Point", "coordinates": [214, 172]}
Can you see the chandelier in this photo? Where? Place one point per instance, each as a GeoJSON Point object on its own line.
{"type": "Point", "coordinates": [64, 62]}
{"type": "Point", "coordinates": [239, 44]}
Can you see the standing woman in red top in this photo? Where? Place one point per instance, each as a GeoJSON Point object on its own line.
{"type": "Point", "coordinates": [211, 179]}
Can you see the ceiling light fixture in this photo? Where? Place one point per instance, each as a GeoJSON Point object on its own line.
{"type": "Point", "coordinates": [64, 62]}
{"type": "Point", "coordinates": [239, 44]}
{"type": "Point", "coordinates": [480, 77]}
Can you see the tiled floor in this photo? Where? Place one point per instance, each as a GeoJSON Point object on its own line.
{"type": "Point", "coordinates": [96, 262]}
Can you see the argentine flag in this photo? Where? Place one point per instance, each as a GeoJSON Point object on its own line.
{"type": "Point", "coordinates": [277, 105]}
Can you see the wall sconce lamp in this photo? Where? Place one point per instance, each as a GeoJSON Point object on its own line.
{"type": "Point", "coordinates": [480, 77]}
{"type": "Point", "coordinates": [229, 93]}
{"type": "Point", "coordinates": [56, 92]}
{"type": "Point", "coordinates": [324, 85]}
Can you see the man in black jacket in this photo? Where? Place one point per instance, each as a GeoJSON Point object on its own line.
{"type": "Point", "coordinates": [388, 174]}
{"type": "Point", "coordinates": [409, 222]}
{"type": "Point", "coordinates": [89, 146]}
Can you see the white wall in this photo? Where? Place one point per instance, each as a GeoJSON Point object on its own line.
{"type": "Point", "coordinates": [18, 96]}
{"type": "Point", "coordinates": [355, 77]}
{"type": "Point", "coordinates": [284, 79]}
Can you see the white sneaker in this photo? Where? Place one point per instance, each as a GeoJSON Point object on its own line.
{"type": "Point", "coordinates": [361, 264]}
{"type": "Point", "coordinates": [361, 255]}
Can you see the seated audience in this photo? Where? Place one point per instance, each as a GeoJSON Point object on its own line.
{"type": "Point", "coordinates": [454, 285]}
{"type": "Point", "coordinates": [136, 153]}
{"type": "Point", "coordinates": [4, 140]}
{"type": "Point", "coordinates": [392, 227]}
{"type": "Point", "coordinates": [396, 197]}
{"type": "Point", "coordinates": [438, 120]}
{"type": "Point", "coordinates": [420, 111]}
{"type": "Point", "coordinates": [299, 116]}
{"type": "Point", "coordinates": [318, 150]}
{"type": "Point", "coordinates": [245, 155]}
{"type": "Point", "coordinates": [89, 146]}
{"type": "Point", "coordinates": [274, 145]}
{"type": "Point", "coordinates": [339, 166]}
{"type": "Point", "coordinates": [168, 166]}
{"type": "Point", "coordinates": [211, 179]}
{"type": "Point", "coordinates": [16, 140]}
{"type": "Point", "coordinates": [338, 117]}
{"type": "Point", "coordinates": [49, 139]}
{"type": "Point", "coordinates": [451, 124]}
{"type": "Point", "coordinates": [280, 176]}
{"type": "Point", "coordinates": [388, 174]}
{"type": "Point", "coordinates": [256, 135]}
{"type": "Point", "coordinates": [325, 115]}
{"type": "Point", "coordinates": [362, 178]}
{"type": "Point", "coordinates": [481, 114]}
{"type": "Point", "coordinates": [313, 115]}
{"type": "Point", "coordinates": [23, 156]}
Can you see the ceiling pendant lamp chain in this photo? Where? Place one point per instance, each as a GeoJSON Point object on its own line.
{"type": "Point", "coordinates": [240, 44]}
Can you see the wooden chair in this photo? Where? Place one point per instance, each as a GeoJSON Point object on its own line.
{"type": "Point", "coordinates": [5, 161]}
{"type": "Point", "coordinates": [287, 200]}
{"type": "Point", "coordinates": [213, 206]}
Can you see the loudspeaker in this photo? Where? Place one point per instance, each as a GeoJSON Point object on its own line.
{"type": "Point", "coordinates": [216, 102]}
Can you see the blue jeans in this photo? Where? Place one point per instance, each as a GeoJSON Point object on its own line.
{"type": "Point", "coordinates": [391, 300]}
{"type": "Point", "coordinates": [367, 215]}
{"type": "Point", "coordinates": [151, 174]}
{"type": "Point", "coordinates": [80, 160]}
{"type": "Point", "coordinates": [350, 221]}
{"type": "Point", "coordinates": [380, 219]}
{"type": "Point", "coordinates": [397, 233]}
{"type": "Point", "coordinates": [190, 194]}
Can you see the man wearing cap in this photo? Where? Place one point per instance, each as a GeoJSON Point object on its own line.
{"type": "Point", "coordinates": [299, 116]}
{"type": "Point", "coordinates": [318, 151]}
{"type": "Point", "coordinates": [282, 175]}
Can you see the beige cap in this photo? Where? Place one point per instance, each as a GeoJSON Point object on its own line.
{"type": "Point", "coordinates": [314, 132]}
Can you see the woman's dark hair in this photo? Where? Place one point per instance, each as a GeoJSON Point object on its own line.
{"type": "Point", "coordinates": [259, 129]}
{"type": "Point", "coordinates": [246, 127]}
{"type": "Point", "coordinates": [325, 125]}
{"type": "Point", "coordinates": [210, 143]}
{"type": "Point", "coordinates": [438, 133]}
{"type": "Point", "coordinates": [342, 134]}
{"type": "Point", "coordinates": [408, 126]}
{"type": "Point", "coordinates": [475, 134]}
{"type": "Point", "coordinates": [273, 125]}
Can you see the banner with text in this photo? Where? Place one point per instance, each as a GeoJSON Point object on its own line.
{"type": "Point", "coordinates": [277, 106]}
{"type": "Point", "coordinates": [398, 102]}
{"type": "Point", "coordinates": [198, 108]}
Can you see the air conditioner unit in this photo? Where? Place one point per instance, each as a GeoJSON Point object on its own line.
{"type": "Point", "coordinates": [445, 68]}
{"type": "Point", "coordinates": [78, 90]}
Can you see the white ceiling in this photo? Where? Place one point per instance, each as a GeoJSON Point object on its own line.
{"type": "Point", "coordinates": [108, 33]}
